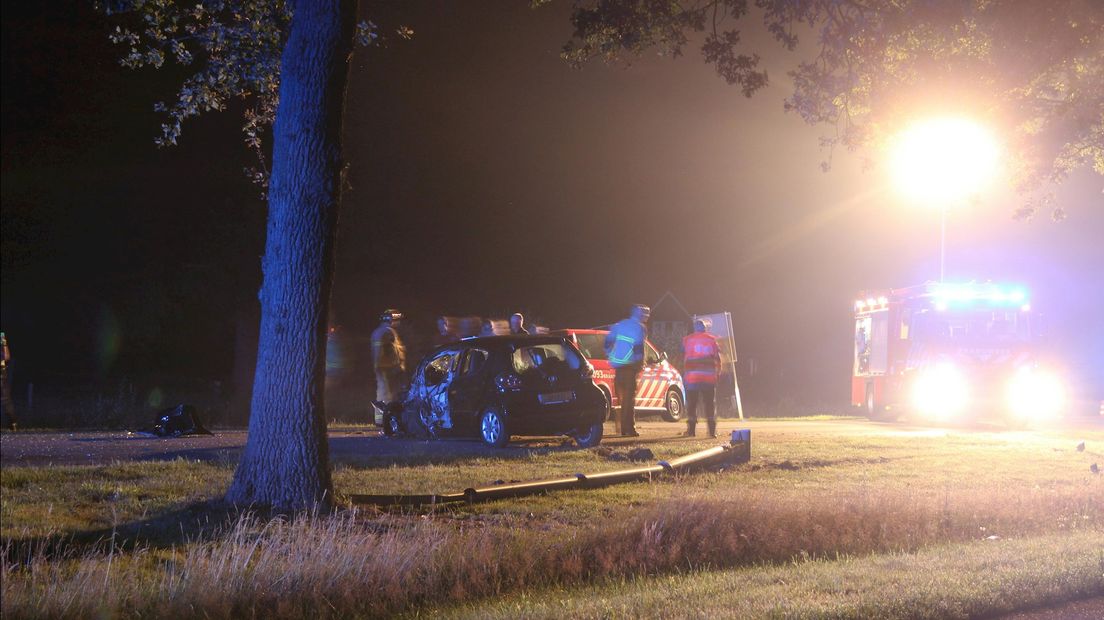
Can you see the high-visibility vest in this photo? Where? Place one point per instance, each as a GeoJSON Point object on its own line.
{"type": "Point", "coordinates": [625, 343]}
{"type": "Point", "coordinates": [702, 355]}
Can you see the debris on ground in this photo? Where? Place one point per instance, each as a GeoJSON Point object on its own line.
{"type": "Point", "coordinates": [636, 454]}
{"type": "Point", "coordinates": [179, 421]}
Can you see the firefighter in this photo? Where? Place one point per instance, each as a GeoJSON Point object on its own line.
{"type": "Point", "coordinates": [702, 355]}
{"type": "Point", "coordinates": [388, 356]}
{"type": "Point", "coordinates": [446, 332]}
{"type": "Point", "coordinates": [5, 384]}
{"type": "Point", "coordinates": [625, 349]}
{"type": "Point", "coordinates": [517, 324]}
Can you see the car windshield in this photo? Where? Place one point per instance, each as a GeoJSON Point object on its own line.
{"type": "Point", "coordinates": [593, 346]}
{"type": "Point", "coordinates": [548, 358]}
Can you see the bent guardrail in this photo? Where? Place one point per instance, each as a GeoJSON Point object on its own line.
{"type": "Point", "coordinates": [736, 452]}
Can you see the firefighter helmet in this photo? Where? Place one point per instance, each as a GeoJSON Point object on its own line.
{"type": "Point", "coordinates": [390, 315]}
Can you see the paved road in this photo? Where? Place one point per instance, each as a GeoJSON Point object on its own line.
{"type": "Point", "coordinates": [361, 445]}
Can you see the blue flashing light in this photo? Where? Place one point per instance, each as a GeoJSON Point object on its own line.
{"type": "Point", "coordinates": [969, 294]}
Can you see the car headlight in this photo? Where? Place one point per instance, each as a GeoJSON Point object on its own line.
{"type": "Point", "coordinates": [940, 391]}
{"type": "Point", "coordinates": [1035, 393]}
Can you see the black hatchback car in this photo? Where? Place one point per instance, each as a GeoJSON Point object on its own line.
{"type": "Point", "coordinates": [497, 386]}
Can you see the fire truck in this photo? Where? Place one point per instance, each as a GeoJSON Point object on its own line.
{"type": "Point", "coordinates": [950, 352]}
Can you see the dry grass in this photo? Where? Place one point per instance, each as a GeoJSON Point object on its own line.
{"type": "Point", "coordinates": [356, 564]}
{"type": "Point", "coordinates": [984, 579]}
{"type": "Point", "coordinates": [804, 497]}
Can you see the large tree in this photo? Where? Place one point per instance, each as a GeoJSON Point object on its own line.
{"type": "Point", "coordinates": [287, 63]}
{"type": "Point", "coordinates": [1033, 68]}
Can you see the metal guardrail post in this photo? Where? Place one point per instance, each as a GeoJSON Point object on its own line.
{"type": "Point", "coordinates": [738, 451]}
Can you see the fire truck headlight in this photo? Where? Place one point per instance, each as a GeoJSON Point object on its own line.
{"type": "Point", "coordinates": [940, 391]}
{"type": "Point", "coordinates": [1033, 393]}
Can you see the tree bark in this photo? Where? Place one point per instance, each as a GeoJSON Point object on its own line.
{"type": "Point", "coordinates": [285, 465]}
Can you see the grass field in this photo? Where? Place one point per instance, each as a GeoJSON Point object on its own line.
{"type": "Point", "coordinates": [882, 524]}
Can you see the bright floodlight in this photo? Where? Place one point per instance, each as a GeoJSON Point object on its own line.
{"type": "Point", "coordinates": [943, 160]}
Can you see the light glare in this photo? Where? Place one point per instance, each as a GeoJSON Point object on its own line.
{"type": "Point", "coordinates": [940, 161]}
{"type": "Point", "coordinates": [941, 392]}
{"type": "Point", "coordinates": [1035, 394]}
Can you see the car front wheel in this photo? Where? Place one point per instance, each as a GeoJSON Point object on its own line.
{"type": "Point", "coordinates": [492, 428]}
{"type": "Point", "coordinates": [590, 438]}
{"type": "Point", "coordinates": [393, 425]}
{"type": "Point", "coordinates": [672, 406]}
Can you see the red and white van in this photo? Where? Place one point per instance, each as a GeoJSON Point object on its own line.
{"type": "Point", "coordinates": [658, 388]}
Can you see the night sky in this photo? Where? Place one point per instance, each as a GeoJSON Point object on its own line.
{"type": "Point", "coordinates": [487, 177]}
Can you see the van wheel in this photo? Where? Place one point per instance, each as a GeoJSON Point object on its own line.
{"type": "Point", "coordinates": [672, 406]}
{"type": "Point", "coordinates": [610, 413]}
{"type": "Point", "coordinates": [492, 428]}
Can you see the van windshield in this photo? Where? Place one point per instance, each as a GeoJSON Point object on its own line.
{"type": "Point", "coordinates": [592, 346]}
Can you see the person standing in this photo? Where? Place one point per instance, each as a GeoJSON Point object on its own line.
{"type": "Point", "coordinates": [388, 356]}
{"type": "Point", "coordinates": [625, 349]}
{"type": "Point", "coordinates": [702, 354]}
{"type": "Point", "coordinates": [517, 324]}
{"type": "Point", "coordinates": [5, 384]}
{"type": "Point", "coordinates": [446, 332]}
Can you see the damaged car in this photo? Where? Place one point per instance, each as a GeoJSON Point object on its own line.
{"type": "Point", "coordinates": [495, 387]}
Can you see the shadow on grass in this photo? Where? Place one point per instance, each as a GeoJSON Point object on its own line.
{"type": "Point", "coordinates": [382, 452]}
{"type": "Point", "coordinates": [198, 522]}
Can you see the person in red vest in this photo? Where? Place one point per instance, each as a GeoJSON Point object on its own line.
{"type": "Point", "coordinates": [702, 355]}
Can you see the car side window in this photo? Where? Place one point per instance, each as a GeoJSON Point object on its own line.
{"type": "Point", "coordinates": [438, 368]}
{"type": "Point", "coordinates": [650, 354]}
{"type": "Point", "coordinates": [474, 360]}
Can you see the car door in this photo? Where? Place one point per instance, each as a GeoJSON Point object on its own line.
{"type": "Point", "coordinates": [469, 382]}
{"type": "Point", "coordinates": [437, 377]}
{"type": "Point", "coordinates": [651, 384]}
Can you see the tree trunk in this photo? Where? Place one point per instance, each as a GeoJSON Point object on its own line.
{"type": "Point", "coordinates": [285, 465]}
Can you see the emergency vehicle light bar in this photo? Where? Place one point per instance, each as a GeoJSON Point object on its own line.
{"type": "Point", "coordinates": [946, 295]}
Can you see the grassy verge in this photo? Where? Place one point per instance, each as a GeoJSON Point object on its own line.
{"type": "Point", "coordinates": [946, 581]}
{"type": "Point", "coordinates": [898, 503]}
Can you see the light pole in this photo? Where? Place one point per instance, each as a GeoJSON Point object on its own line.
{"type": "Point", "coordinates": [939, 162]}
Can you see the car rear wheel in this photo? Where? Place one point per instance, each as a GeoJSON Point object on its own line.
{"type": "Point", "coordinates": [672, 406]}
{"type": "Point", "coordinates": [492, 428]}
{"type": "Point", "coordinates": [592, 436]}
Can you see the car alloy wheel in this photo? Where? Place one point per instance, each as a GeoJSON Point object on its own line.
{"type": "Point", "coordinates": [590, 438]}
{"type": "Point", "coordinates": [672, 406]}
{"type": "Point", "coordinates": [492, 428]}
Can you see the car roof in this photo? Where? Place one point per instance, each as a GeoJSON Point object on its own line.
{"type": "Point", "coordinates": [571, 330]}
{"type": "Point", "coordinates": [511, 340]}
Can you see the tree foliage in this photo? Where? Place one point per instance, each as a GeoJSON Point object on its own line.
{"type": "Point", "coordinates": [1034, 69]}
{"type": "Point", "coordinates": [233, 47]}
